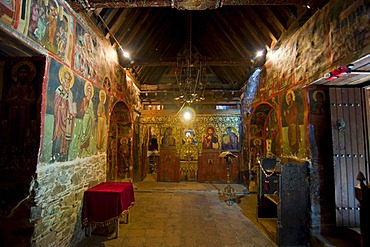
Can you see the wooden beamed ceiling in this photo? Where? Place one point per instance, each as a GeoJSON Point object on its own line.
{"type": "Point", "coordinates": [226, 34]}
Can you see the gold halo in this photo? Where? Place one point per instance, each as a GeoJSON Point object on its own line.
{"type": "Point", "coordinates": [211, 127]}
{"type": "Point", "coordinates": [87, 83]}
{"type": "Point", "coordinates": [19, 64]}
{"type": "Point", "coordinates": [257, 140]}
{"type": "Point", "coordinates": [286, 96]}
{"type": "Point", "coordinates": [64, 69]}
{"type": "Point", "coordinates": [102, 94]}
{"type": "Point", "coordinates": [314, 95]}
{"type": "Point", "coordinates": [107, 78]}
{"type": "Point", "coordinates": [123, 139]}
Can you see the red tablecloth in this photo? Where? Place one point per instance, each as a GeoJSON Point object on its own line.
{"type": "Point", "coordinates": [105, 202]}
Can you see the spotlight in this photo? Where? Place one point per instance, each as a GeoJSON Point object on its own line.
{"type": "Point", "coordinates": [259, 53]}
{"type": "Point", "coordinates": [126, 54]}
{"type": "Point", "coordinates": [187, 114]}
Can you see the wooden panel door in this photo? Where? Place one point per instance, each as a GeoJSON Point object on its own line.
{"type": "Point", "coordinates": [210, 167]}
{"type": "Point", "coordinates": [347, 125]}
{"type": "Point", "coordinates": [169, 166]}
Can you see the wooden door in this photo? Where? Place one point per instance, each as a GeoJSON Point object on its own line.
{"type": "Point", "coordinates": [347, 125]}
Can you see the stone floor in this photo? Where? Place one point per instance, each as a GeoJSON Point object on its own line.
{"type": "Point", "coordinates": [197, 214]}
{"type": "Point", "coordinates": [184, 214]}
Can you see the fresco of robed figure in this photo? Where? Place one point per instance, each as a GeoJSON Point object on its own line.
{"type": "Point", "coordinates": [292, 112]}
{"type": "Point", "coordinates": [230, 140]}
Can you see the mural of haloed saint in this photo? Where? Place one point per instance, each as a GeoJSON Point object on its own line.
{"type": "Point", "coordinates": [292, 114]}
{"type": "Point", "coordinates": [20, 104]}
{"type": "Point", "coordinates": [75, 112]}
{"type": "Point", "coordinates": [64, 110]}
{"type": "Point", "coordinates": [88, 119]}
{"type": "Point", "coordinates": [19, 114]}
{"type": "Point", "coordinates": [102, 121]}
{"type": "Point", "coordinates": [211, 140]}
{"type": "Point", "coordinates": [230, 140]}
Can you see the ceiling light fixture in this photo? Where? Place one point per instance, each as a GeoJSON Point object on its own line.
{"type": "Point", "coordinates": [187, 114]}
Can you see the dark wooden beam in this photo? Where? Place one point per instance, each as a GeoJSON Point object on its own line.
{"type": "Point", "coordinates": [179, 4]}
{"type": "Point", "coordinates": [208, 62]}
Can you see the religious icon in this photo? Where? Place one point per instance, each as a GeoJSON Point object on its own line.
{"type": "Point", "coordinates": [65, 111]}
{"type": "Point", "coordinates": [291, 118]}
{"type": "Point", "coordinates": [211, 141]}
{"type": "Point", "coordinates": [230, 140]}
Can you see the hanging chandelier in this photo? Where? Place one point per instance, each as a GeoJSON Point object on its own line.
{"type": "Point", "coordinates": [190, 73]}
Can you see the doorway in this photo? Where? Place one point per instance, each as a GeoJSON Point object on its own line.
{"type": "Point", "coordinates": [349, 124]}
{"type": "Point", "coordinates": [21, 76]}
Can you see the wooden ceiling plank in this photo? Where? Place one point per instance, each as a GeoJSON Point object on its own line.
{"type": "Point", "coordinates": [119, 21]}
{"type": "Point", "coordinates": [229, 33]}
{"type": "Point", "coordinates": [112, 17]}
{"type": "Point", "coordinates": [124, 30]}
{"type": "Point", "coordinates": [260, 24]}
{"type": "Point", "coordinates": [219, 48]}
{"type": "Point", "coordinates": [273, 20]}
{"type": "Point", "coordinates": [261, 39]}
{"type": "Point", "coordinates": [286, 13]}
{"type": "Point", "coordinates": [247, 35]}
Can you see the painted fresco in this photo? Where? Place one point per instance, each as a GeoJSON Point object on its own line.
{"type": "Point", "coordinates": [200, 125]}
{"type": "Point", "coordinates": [264, 132]}
{"type": "Point", "coordinates": [319, 114]}
{"type": "Point", "coordinates": [122, 113]}
{"type": "Point", "coordinates": [21, 101]}
{"type": "Point", "coordinates": [8, 10]}
{"type": "Point", "coordinates": [278, 73]}
{"type": "Point", "coordinates": [120, 79]}
{"type": "Point", "coordinates": [349, 29]}
{"type": "Point", "coordinates": [211, 139]}
{"type": "Point", "coordinates": [310, 49]}
{"type": "Point", "coordinates": [106, 76]}
{"type": "Point", "coordinates": [230, 140]}
{"type": "Point", "coordinates": [52, 26]}
{"type": "Point", "coordinates": [133, 97]}
{"type": "Point", "coordinates": [102, 115]}
{"type": "Point", "coordinates": [293, 124]}
{"type": "Point", "coordinates": [273, 134]}
{"type": "Point", "coordinates": [76, 117]}
{"type": "Point", "coordinates": [86, 58]}
{"type": "Point", "coordinates": [123, 158]}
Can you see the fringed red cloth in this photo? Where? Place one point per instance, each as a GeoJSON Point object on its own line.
{"type": "Point", "coordinates": [105, 202]}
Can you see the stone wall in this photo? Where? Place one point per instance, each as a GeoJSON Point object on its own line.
{"type": "Point", "coordinates": [59, 200]}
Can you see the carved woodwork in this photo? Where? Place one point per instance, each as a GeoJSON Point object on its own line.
{"type": "Point", "coordinates": [169, 165]}
{"type": "Point", "coordinates": [211, 168]}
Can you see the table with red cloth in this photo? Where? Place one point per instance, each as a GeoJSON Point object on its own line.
{"type": "Point", "coordinates": [106, 202]}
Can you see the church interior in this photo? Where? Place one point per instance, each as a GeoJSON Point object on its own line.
{"type": "Point", "coordinates": [256, 106]}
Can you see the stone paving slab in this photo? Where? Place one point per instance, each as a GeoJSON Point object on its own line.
{"type": "Point", "coordinates": [183, 214]}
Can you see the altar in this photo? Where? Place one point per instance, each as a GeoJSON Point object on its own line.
{"type": "Point", "coordinates": [104, 203]}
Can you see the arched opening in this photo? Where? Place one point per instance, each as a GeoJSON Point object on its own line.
{"type": "Point", "coordinates": [119, 152]}
{"type": "Point", "coordinates": [263, 133]}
